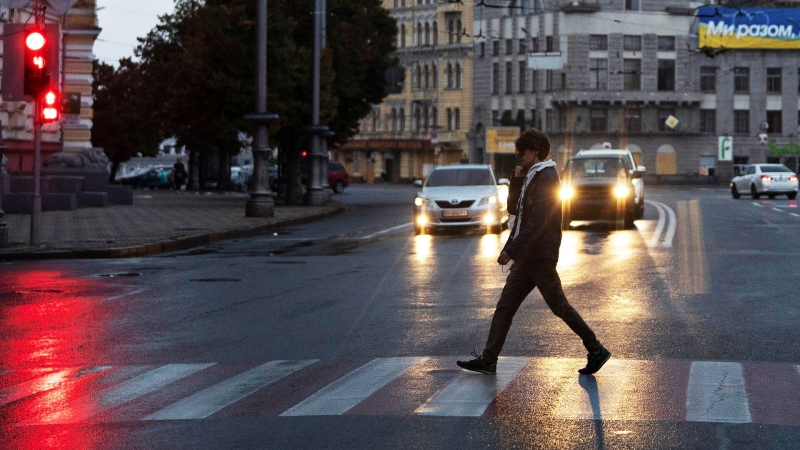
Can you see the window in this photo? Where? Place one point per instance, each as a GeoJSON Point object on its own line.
{"type": "Point", "coordinates": [435, 76]}
{"type": "Point", "coordinates": [663, 115]}
{"type": "Point", "coordinates": [435, 34]}
{"type": "Point", "coordinates": [495, 48]}
{"type": "Point", "coordinates": [451, 31]}
{"type": "Point", "coordinates": [402, 119]}
{"type": "Point", "coordinates": [598, 119]}
{"type": "Point", "coordinates": [551, 120]}
{"type": "Point", "coordinates": [631, 5]}
{"type": "Point", "coordinates": [427, 33]}
{"type": "Point", "coordinates": [427, 77]}
{"type": "Point", "coordinates": [633, 120]}
{"type": "Point", "coordinates": [459, 31]}
{"type": "Point", "coordinates": [708, 79]}
{"type": "Point", "coordinates": [482, 50]}
{"type": "Point", "coordinates": [508, 78]}
{"type": "Point", "coordinates": [632, 78]}
{"type": "Point", "coordinates": [741, 79]}
{"type": "Point", "coordinates": [534, 80]}
{"type": "Point", "coordinates": [419, 34]}
{"type": "Point", "coordinates": [522, 72]}
{"type": "Point", "coordinates": [741, 121]}
{"type": "Point", "coordinates": [708, 121]}
{"type": "Point", "coordinates": [457, 118]}
{"type": "Point", "coordinates": [549, 44]}
{"type": "Point", "coordinates": [598, 42]}
{"type": "Point", "coordinates": [394, 116]}
{"type": "Point", "coordinates": [598, 73]}
{"type": "Point", "coordinates": [449, 119]}
{"type": "Point", "coordinates": [632, 43]}
{"type": "Point", "coordinates": [435, 117]}
{"type": "Point", "coordinates": [450, 77]}
{"type": "Point", "coordinates": [775, 121]}
{"type": "Point", "coordinates": [509, 46]}
{"type": "Point", "coordinates": [666, 43]}
{"type": "Point", "coordinates": [773, 80]}
{"type": "Point", "coordinates": [495, 78]}
{"type": "Point", "coordinates": [523, 47]}
{"type": "Point", "coordinates": [548, 80]}
{"type": "Point", "coordinates": [403, 35]}
{"type": "Point", "coordinates": [495, 117]}
{"type": "Point", "coordinates": [666, 74]}
{"type": "Point", "coordinates": [426, 122]}
{"type": "Point", "coordinates": [563, 81]}
{"type": "Point", "coordinates": [418, 83]}
{"type": "Point", "coordinates": [458, 75]}
{"type": "Point", "coordinates": [535, 44]}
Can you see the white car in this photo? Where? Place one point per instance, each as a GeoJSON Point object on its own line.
{"type": "Point", "coordinates": [765, 179]}
{"type": "Point", "coordinates": [461, 195]}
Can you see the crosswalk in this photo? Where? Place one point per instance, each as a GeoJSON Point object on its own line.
{"type": "Point", "coordinates": [668, 390]}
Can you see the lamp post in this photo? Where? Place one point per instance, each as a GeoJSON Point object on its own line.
{"type": "Point", "coordinates": [260, 203]}
{"type": "Point", "coordinates": [315, 195]}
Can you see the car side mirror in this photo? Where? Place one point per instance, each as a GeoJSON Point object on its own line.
{"type": "Point", "coordinates": [503, 181]}
{"type": "Point", "coordinates": [418, 183]}
{"type": "Point", "coordinates": [641, 169]}
{"type": "Point", "coordinates": [637, 174]}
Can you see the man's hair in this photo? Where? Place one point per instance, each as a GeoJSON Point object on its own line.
{"type": "Point", "coordinates": [535, 141]}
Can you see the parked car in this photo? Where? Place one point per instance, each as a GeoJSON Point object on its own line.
{"type": "Point", "coordinates": [153, 177]}
{"type": "Point", "coordinates": [602, 185]}
{"type": "Point", "coordinates": [338, 178]}
{"type": "Point", "coordinates": [463, 195]}
{"type": "Point", "coordinates": [769, 179]}
{"type": "Point", "coordinates": [240, 177]}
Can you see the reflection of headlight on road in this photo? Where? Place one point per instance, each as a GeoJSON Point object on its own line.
{"type": "Point", "coordinates": [489, 219]}
{"type": "Point", "coordinates": [621, 191]}
{"type": "Point", "coordinates": [419, 201]}
{"type": "Point", "coordinates": [422, 219]}
{"type": "Point", "coordinates": [567, 192]}
{"type": "Point", "coordinates": [490, 200]}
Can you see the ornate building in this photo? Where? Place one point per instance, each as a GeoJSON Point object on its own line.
{"type": "Point", "coordinates": [426, 123]}
{"type": "Point", "coordinates": [79, 29]}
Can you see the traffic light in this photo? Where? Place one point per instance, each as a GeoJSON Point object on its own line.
{"type": "Point", "coordinates": [50, 105]}
{"type": "Point", "coordinates": [36, 50]}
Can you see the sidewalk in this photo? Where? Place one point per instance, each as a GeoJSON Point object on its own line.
{"type": "Point", "coordinates": [158, 221]}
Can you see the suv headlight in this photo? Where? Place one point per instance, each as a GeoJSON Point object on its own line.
{"type": "Point", "coordinates": [491, 200]}
{"type": "Point", "coordinates": [567, 192]}
{"type": "Point", "coordinates": [421, 201]}
{"type": "Point", "coordinates": [621, 191]}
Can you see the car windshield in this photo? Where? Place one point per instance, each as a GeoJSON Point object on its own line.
{"type": "Point", "coordinates": [460, 177]}
{"type": "Point", "coordinates": [775, 168]}
{"type": "Point", "coordinates": [596, 167]}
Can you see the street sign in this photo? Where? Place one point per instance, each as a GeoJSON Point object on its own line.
{"type": "Point", "coordinates": [725, 148]}
{"type": "Point", "coordinates": [672, 122]}
{"type": "Point", "coordinates": [501, 139]}
{"type": "Point", "coordinates": [545, 61]}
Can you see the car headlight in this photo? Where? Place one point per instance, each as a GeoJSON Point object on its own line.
{"type": "Point", "coordinates": [488, 200]}
{"type": "Point", "coordinates": [621, 191]}
{"type": "Point", "coordinates": [567, 192]}
{"type": "Point", "coordinates": [420, 201]}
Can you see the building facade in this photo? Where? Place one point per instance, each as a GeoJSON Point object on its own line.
{"type": "Point", "coordinates": [79, 30]}
{"type": "Point", "coordinates": [627, 66]}
{"type": "Point", "coordinates": [425, 124]}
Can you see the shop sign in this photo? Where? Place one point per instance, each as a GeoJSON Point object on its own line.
{"type": "Point", "coordinates": [501, 139]}
{"type": "Point", "coordinates": [792, 149]}
{"type": "Point", "coordinates": [748, 28]}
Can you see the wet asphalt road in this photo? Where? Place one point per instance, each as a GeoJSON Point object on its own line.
{"type": "Point", "coordinates": [703, 281]}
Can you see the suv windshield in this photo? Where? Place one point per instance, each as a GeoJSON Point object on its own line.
{"type": "Point", "coordinates": [460, 177]}
{"type": "Point", "coordinates": [775, 168]}
{"type": "Point", "coordinates": [597, 167]}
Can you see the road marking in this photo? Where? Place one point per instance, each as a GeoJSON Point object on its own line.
{"type": "Point", "coordinates": [670, 235]}
{"type": "Point", "coordinates": [210, 400]}
{"type": "Point", "coordinates": [108, 398]}
{"type": "Point", "coordinates": [716, 393]}
{"type": "Point", "coordinates": [471, 393]}
{"type": "Point", "coordinates": [388, 230]}
{"type": "Point", "coordinates": [777, 209]}
{"type": "Point", "coordinates": [46, 382]}
{"type": "Point", "coordinates": [671, 223]}
{"type": "Point", "coordinates": [660, 227]}
{"type": "Point", "coordinates": [597, 397]}
{"type": "Point", "coordinates": [758, 204]}
{"type": "Point", "coordinates": [795, 214]}
{"type": "Point", "coordinates": [350, 390]}
{"type": "Point", "coordinates": [137, 290]}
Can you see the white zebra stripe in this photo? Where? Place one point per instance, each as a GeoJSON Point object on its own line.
{"type": "Point", "coordinates": [716, 393]}
{"type": "Point", "coordinates": [45, 383]}
{"type": "Point", "coordinates": [470, 393]}
{"type": "Point", "coordinates": [350, 390]}
{"type": "Point", "coordinates": [228, 392]}
{"type": "Point", "coordinates": [597, 397]}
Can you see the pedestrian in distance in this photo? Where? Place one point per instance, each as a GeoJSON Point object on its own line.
{"type": "Point", "coordinates": [532, 248]}
{"type": "Point", "coordinates": [179, 174]}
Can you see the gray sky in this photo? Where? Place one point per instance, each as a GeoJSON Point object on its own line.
{"type": "Point", "coordinates": [122, 22]}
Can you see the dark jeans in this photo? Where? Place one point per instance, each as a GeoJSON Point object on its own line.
{"type": "Point", "coordinates": [525, 276]}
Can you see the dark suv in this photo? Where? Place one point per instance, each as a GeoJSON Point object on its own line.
{"type": "Point", "coordinates": [603, 185]}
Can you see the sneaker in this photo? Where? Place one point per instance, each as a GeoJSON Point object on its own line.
{"type": "Point", "coordinates": [595, 361]}
{"type": "Point", "coordinates": [477, 365]}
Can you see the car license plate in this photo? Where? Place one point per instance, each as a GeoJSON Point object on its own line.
{"type": "Point", "coordinates": [456, 213]}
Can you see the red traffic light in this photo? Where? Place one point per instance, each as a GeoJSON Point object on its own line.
{"type": "Point", "coordinates": [35, 40]}
{"type": "Point", "coordinates": [50, 106]}
{"type": "Point", "coordinates": [36, 77]}
{"type": "Point", "coordinates": [304, 153]}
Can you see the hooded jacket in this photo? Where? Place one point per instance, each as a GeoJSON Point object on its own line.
{"type": "Point", "coordinates": [539, 234]}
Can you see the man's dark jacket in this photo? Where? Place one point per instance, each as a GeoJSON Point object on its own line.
{"type": "Point", "coordinates": [540, 233]}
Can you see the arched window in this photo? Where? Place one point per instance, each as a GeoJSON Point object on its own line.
{"type": "Point", "coordinates": [403, 35]}
{"type": "Point", "coordinates": [451, 32]}
{"type": "Point", "coordinates": [434, 118]}
{"type": "Point", "coordinates": [458, 75]}
{"type": "Point", "coordinates": [419, 118]}
{"type": "Point", "coordinates": [435, 73]}
{"type": "Point", "coordinates": [402, 119]}
{"type": "Point", "coordinates": [450, 80]}
{"type": "Point", "coordinates": [426, 122]}
{"type": "Point", "coordinates": [427, 33]}
{"type": "Point", "coordinates": [449, 119]}
{"type": "Point", "coordinates": [394, 119]}
{"type": "Point", "coordinates": [457, 118]}
{"type": "Point", "coordinates": [419, 34]}
{"type": "Point", "coordinates": [458, 31]}
{"type": "Point", "coordinates": [419, 77]}
{"type": "Point", "coordinates": [435, 34]}
{"type": "Point", "coordinates": [427, 77]}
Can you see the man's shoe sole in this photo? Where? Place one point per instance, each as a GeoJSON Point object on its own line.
{"type": "Point", "coordinates": [485, 372]}
{"type": "Point", "coordinates": [598, 369]}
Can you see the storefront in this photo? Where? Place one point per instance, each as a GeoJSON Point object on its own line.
{"type": "Point", "coordinates": [388, 160]}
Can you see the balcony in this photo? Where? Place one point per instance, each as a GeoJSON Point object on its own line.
{"type": "Point", "coordinates": [622, 97]}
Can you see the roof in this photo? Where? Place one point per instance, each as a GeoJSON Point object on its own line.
{"type": "Point", "coordinates": [601, 153]}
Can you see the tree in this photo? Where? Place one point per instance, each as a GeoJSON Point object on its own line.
{"type": "Point", "coordinates": [121, 125]}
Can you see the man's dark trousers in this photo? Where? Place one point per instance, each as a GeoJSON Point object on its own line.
{"type": "Point", "coordinates": [523, 278]}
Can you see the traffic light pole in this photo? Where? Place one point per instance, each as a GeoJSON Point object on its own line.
{"type": "Point", "coordinates": [314, 193]}
{"type": "Point", "coordinates": [36, 209]}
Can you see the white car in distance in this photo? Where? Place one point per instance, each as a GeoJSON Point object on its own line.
{"type": "Point", "coordinates": [765, 179]}
{"type": "Point", "coordinates": [461, 196]}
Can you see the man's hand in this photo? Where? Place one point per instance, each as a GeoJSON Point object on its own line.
{"type": "Point", "coordinates": [518, 171]}
{"type": "Point", "coordinates": [503, 259]}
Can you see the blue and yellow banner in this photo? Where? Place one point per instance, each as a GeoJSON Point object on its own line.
{"type": "Point", "coordinates": [748, 28]}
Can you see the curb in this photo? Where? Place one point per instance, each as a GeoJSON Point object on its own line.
{"type": "Point", "coordinates": [172, 244]}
